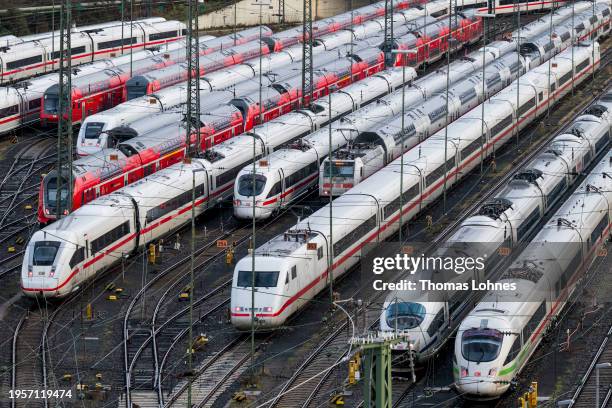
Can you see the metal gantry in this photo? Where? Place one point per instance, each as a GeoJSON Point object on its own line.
{"type": "Point", "coordinates": [64, 112]}
{"type": "Point", "coordinates": [192, 113]}
{"type": "Point", "coordinates": [307, 53]}
{"type": "Point", "coordinates": [388, 40]}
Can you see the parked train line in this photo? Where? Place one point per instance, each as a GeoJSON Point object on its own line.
{"type": "Point", "coordinates": [288, 175]}
{"type": "Point", "coordinates": [404, 389]}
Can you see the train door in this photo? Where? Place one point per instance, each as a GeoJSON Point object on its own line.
{"type": "Point", "coordinates": [281, 197]}
{"type": "Point", "coordinates": [490, 6]}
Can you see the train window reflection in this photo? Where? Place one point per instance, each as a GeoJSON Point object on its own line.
{"type": "Point", "coordinates": [481, 345]}
{"type": "Point", "coordinates": [263, 279]}
{"type": "Point", "coordinates": [405, 315]}
{"type": "Point", "coordinates": [245, 185]}
{"type": "Point", "coordinates": [339, 169]}
{"type": "Point", "coordinates": [45, 252]}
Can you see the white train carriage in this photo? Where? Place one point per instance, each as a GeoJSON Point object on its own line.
{"type": "Point", "coordinates": [25, 105]}
{"type": "Point", "coordinates": [487, 359]}
{"type": "Point", "coordinates": [36, 57]}
{"type": "Point", "coordinates": [373, 149]}
{"type": "Point", "coordinates": [303, 158]}
{"type": "Point", "coordinates": [64, 254]}
{"type": "Point", "coordinates": [506, 220]}
{"type": "Point", "coordinates": [370, 211]}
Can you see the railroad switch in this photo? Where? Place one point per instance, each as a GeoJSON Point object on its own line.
{"type": "Point", "coordinates": [337, 399]}
{"type": "Point", "coordinates": [112, 297]}
{"type": "Point", "coordinates": [239, 396]}
{"type": "Point", "coordinates": [98, 376]}
{"type": "Point", "coordinates": [110, 287]}
{"type": "Point", "coordinates": [27, 207]}
{"type": "Point", "coordinates": [67, 377]}
{"type": "Point", "coordinates": [118, 291]}
{"type": "Point", "coordinates": [19, 240]}
{"type": "Point", "coordinates": [11, 249]}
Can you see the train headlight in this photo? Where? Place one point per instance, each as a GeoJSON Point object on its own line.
{"type": "Point", "coordinates": [476, 373]}
{"type": "Point", "coordinates": [464, 372]}
{"type": "Point", "coordinates": [30, 272]}
{"type": "Point", "coordinates": [267, 309]}
{"type": "Point", "coordinates": [52, 273]}
{"type": "Point", "coordinates": [493, 372]}
{"type": "Point", "coordinates": [239, 309]}
{"type": "Point", "coordinates": [47, 211]}
{"type": "Point", "coordinates": [237, 202]}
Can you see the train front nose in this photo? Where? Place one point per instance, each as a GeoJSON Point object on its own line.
{"type": "Point", "coordinates": [40, 286]}
{"type": "Point", "coordinates": [243, 209]}
{"type": "Point", "coordinates": [478, 387]}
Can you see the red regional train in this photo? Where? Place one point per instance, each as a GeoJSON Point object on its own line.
{"type": "Point", "coordinates": [97, 175]}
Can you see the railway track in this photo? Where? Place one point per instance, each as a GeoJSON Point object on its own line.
{"type": "Point", "coordinates": [18, 188]}
{"type": "Point", "coordinates": [31, 356]}
{"type": "Point", "coordinates": [164, 336]}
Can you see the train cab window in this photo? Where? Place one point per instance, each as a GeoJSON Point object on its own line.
{"type": "Point", "coordinates": [77, 257]}
{"type": "Point", "coordinates": [514, 351]}
{"type": "Point", "coordinates": [481, 344]}
{"type": "Point", "coordinates": [93, 130]}
{"type": "Point", "coordinates": [51, 104]}
{"type": "Point", "coordinates": [293, 272]}
{"type": "Point", "coordinates": [263, 279]}
{"type": "Point", "coordinates": [45, 253]}
{"type": "Point", "coordinates": [338, 169]}
{"type": "Point", "coordinates": [405, 315]}
{"type": "Point", "coordinates": [247, 188]}
{"type": "Point", "coordinates": [11, 110]}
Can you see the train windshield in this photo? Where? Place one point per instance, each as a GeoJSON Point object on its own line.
{"type": "Point", "coordinates": [481, 345]}
{"type": "Point", "coordinates": [263, 279]}
{"type": "Point", "coordinates": [44, 253]}
{"type": "Point", "coordinates": [51, 104]}
{"type": "Point", "coordinates": [245, 185]}
{"type": "Point", "coordinates": [51, 193]}
{"type": "Point", "coordinates": [93, 130]}
{"type": "Point", "coordinates": [136, 91]}
{"type": "Point", "coordinates": [338, 169]}
{"type": "Point", "coordinates": [405, 315]}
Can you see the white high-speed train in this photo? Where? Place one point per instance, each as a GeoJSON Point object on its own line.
{"type": "Point", "coordinates": [372, 150]}
{"type": "Point", "coordinates": [496, 340]}
{"type": "Point", "coordinates": [284, 175]}
{"type": "Point", "coordinates": [11, 39]}
{"type": "Point", "coordinates": [291, 268]}
{"type": "Point", "coordinates": [24, 60]}
{"type": "Point", "coordinates": [97, 234]}
{"type": "Point", "coordinates": [507, 220]}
